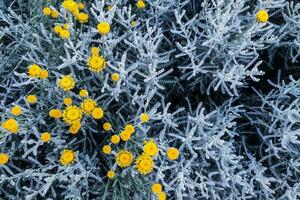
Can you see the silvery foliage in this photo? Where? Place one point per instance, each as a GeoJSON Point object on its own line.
{"type": "Point", "coordinates": [216, 46]}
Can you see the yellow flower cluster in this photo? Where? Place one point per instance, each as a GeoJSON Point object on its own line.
{"type": "Point", "coordinates": [35, 71]}
{"type": "Point", "coordinates": [157, 189]}
{"type": "Point", "coordinates": [74, 8]}
{"type": "Point", "coordinates": [96, 62]}
{"type": "Point", "coordinates": [11, 125]}
{"type": "Point", "coordinates": [144, 164]}
{"type": "Point", "coordinates": [62, 31]}
{"type": "Point", "coordinates": [72, 114]}
{"type": "Point", "coordinates": [50, 12]}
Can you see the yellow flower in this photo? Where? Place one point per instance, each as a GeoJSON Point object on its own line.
{"type": "Point", "coordinates": [88, 105]}
{"type": "Point", "coordinates": [64, 34]}
{"type": "Point", "coordinates": [115, 139]}
{"type": "Point", "coordinates": [55, 113]}
{"type": "Point", "coordinates": [95, 51]}
{"type": "Point", "coordinates": [96, 63]}
{"type": "Point", "coordinates": [54, 14]}
{"type": "Point", "coordinates": [44, 74]}
{"type": "Point", "coordinates": [57, 29]}
{"type": "Point", "coordinates": [31, 99]}
{"type": "Point", "coordinates": [66, 83]}
{"type": "Point", "coordinates": [115, 77]}
{"type": "Point", "coordinates": [16, 110]}
{"type": "Point", "coordinates": [106, 149]}
{"type": "Point", "coordinates": [72, 114]}
{"type": "Point", "coordinates": [133, 23]}
{"type": "Point", "coordinates": [140, 4]}
{"type": "Point", "coordinates": [124, 158]}
{"type": "Point", "coordinates": [110, 174]}
{"type": "Point", "coordinates": [3, 158]}
{"type": "Point", "coordinates": [172, 153]}
{"type": "Point", "coordinates": [156, 188]}
{"type": "Point", "coordinates": [66, 26]}
{"type": "Point", "coordinates": [47, 11]}
{"type": "Point", "coordinates": [125, 135]}
{"type": "Point", "coordinates": [75, 127]}
{"type": "Point", "coordinates": [262, 16]}
{"type": "Point", "coordinates": [46, 137]}
{"type": "Point", "coordinates": [103, 28]}
{"type": "Point", "coordinates": [109, 8]}
{"type": "Point", "coordinates": [71, 6]}
{"type": "Point", "coordinates": [83, 93]}
{"type": "Point", "coordinates": [162, 196]}
{"type": "Point", "coordinates": [144, 117]}
{"type": "Point", "coordinates": [150, 148]}
{"type": "Point", "coordinates": [11, 125]}
{"type": "Point", "coordinates": [67, 157]}
{"type": "Point", "coordinates": [129, 128]}
{"type": "Point", "coordinates": [144, 164]}
{"type": "Point", "coordinates": [68, 101]}
{"type": "Point", "coordinates": [82, 17]}
{"type": "Point", "coordinates": [97, 113]}
{"type": "Point", "coordinates": [106, 126]}
{"type": "Point", "coordinates": [34, 71]}
{"type": "Point", "coordinates": [80, 6]}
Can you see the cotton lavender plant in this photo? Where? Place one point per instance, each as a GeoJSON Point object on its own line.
{"type": "Point", "coordinates": [147, 99]}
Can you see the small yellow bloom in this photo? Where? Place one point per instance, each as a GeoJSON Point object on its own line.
{"type": "Point", "coordinates": [11, 125]}
{"type": "Point", "coordinates": [72, 114]}
{"type": "Point", "coordinates": [16, 110]}
{"type": "Point", "coordinates": [129, 128]}
{"type": "Point", "coordinates": [109, 8]}
{"type": "Point", "coordinates": [66, 83]}
{"type": "Point", "coordinates": [55, 113]}
{"type": "Point", "coordinates": [88, 105]}
{"type": "Point", "coordinates": [31, 99]}
{"type": "Point", "coordinates": [54, 14]}
{"type": "Point", "coordinates": [75, 127]}
{"type": "Point", "coordinates": [156, 188]}
{"type": "Point", "coordinates": [66, 26]}
{"type": "Point", "coordinates": [46, 137]}
{"type": "Point", "coordinates": [96, 63]}
{"type": "Point", "coordinates": [68, 101]}
{"type": "Point", "coordinates": [34, 71]}
{"type": "Point", "coordinates": [47, 11]}
{"type": "Point", "coordinates": [67, 157]}
{"type": "Point", "coordinates": [144, 164]}
{"type": "Point", "coordinates": [64, 34]}
{"type": "Point", "coordinates": [144, 117]}
{"type": "Point", "coordinates": [140, 4]}
{"type": "Point", "coordinates": [3, 158]}
{"type": "Point", "coordinates": [125, 135]}
{"type": "Point", "coordinates": [106, 126]}
{"type": "Point", "coordinates": [133, 23]}
{"type": "Point", "coordinates": [172, 153]}
{"type": "Point", "coordinates": [71, 6]}
{"type": "Point", "coordinates": [57, 29]}
{"type": "Point", "coordinates": [44, 74]}
{"type": "Point", "coordinates": [262, 16]}
{"type": "Point", "coordinates": [97, 113]}
{"type": "Point", "coordinates": [83, 93]}
{"type": "Point", "coordinates": [106, 149]}
{"type": "Point", "coordinates": [162, 196]}
{"type": "Point", "coordinates": [115, 139]}
{"type": "Point", "coordinates": [103, 28]}
{"type": "Point", "coordinates": [115, 77]}
{"type": "Point", "coordinates": [95, 51]}
{"type": "Point", "coordinates": [150, 148]}
{"type": "Point", "coordinates": [82, 17]}
{"type": "Point", "coordinates": [81, 6]}
{"type": "Point", "coordinates": [110, 174]}
{"type": "Point", "coordinates": [124, 158]}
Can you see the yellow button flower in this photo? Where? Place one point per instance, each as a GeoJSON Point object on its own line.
{"type": "Point", "coordinates": [106, 149]}
{"type": "Point", "coordinates": [144, 164]}
{"type": "Point", "coordinates": [106, 126]}
{"type": "Point", "coordinates": [34, 71]}
{"type": "Point", "coordinates": [44, 74]}
{"type": "Point", "coordinates": [64, 34]}
{"type": "Point", "coordinates": [54, 14]}
{"type": "Point", "coordinates": [115, 77]}
{"type": "Point", "coordinates": [66, 83]}
{"type": "Point", "coordinates": [31, 99]}
{"type": "Point", "coordinates": [82, 17]}
{"type": "Point", "coordinates": [103, 28]}
{"type": "Point", "coordinates": [45, 137]}
{"type": "Point", "coordinates": [88, 105]}
{"type": "Point", "coordinates": [125, 135]}
{"type": "Point", "coordinates": [144, 117]}
{"type": "Point", "coordinates": [124, 158]}
{"type": "Point", "coordinates": [57, 29]}
{"type": "Point", "coordinates": [156, 188]}
{"type": "Point", "coordinates": [72, 114]}
{"type": "Point", "coordinates": [150, 148]}
{"type": "Point", "coordinates": [47, 11]}
{"type": "Point", "coordinates": [16, 110]}
{"type": "Point", "coordinates": [162, 196]}
{"type": "Point", "coordinates": [80, 6]}
{"type": "Point", "coordinates": [68, 101]}
{"type": "Point", "coordinates": [3, 158]}
{"type": "Point", "coordinates": [96, 63]}
{"type": "Point", "coordinates": [129, 128]}
{"type": "Point", "coordinates": [172, 153]}
{"type": "Point", "coordinates": [95, 51]}
{"type": "Point", "coordinates": [11, 125]}
{"type": "Point", "coordinates": [115, 139]}
{"type": "Point", "coordinates": [262, 16]}
{"type": "Point", "coordinates": [83, 93]}
{"type": "Point", "coordinates": [55, 113]}
{"type": "Point", "coordinates": [67, 157]}
{"type": "Point", "coordinates": [75, 127]}
{"type": "Point", "coordinates": [110, 174]}
{"type": "Point", "coordinates": [140, 4]}
{"type": "Point", "coordinates": [97, 113]}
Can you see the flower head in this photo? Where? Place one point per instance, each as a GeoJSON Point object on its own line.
{"type": "Point", "coordinates": [54, 14]}
{"type": "Point", "coordinates": [11, 125]}
{"type": "Point", "coordinates": [68, 101]}
{"type": "Point", "coordinates": [103, 28]}
{"type": "Point", "coordinates": [75, 127]}
{"type": "Point", "coordinates": [88, 105]}
{"type": "Point", "coordinates": [72, 114]}
{"type": "Point", "coordinates": [106, 149]}
{"type": "Point", "coordinates": [83, 93]}
{"type": "Point", "coordinates": [115, 77]}
{"type": "Point", "coordinates": [45, 137]}
{"type": "Point", "coordinates": [97, 113]}
{"type": "Point", "coordinates": [144, 164]}
{"type": "Point", "coordinates": [67, 157]}
{"type": "Point", "coordinates": [47, 11]}
{"type": "Point", "coordinates": [34, 71]}
{"type": "Point", "coordinates": [16, 110]}
{"type": "Point", "coordinates": [129, 128]}
{"type": "Point", "coordinates": [44, 74]}
{"type": "Point", "coordinates": [144, 117]}
{"type": "Point", "coordinates": [156, 188]}
{"type": "Point", "coordinates": [110, 174]}
{"type": "Point", "coordinates": [3, 158]}
{"type": "Point", "coordinates": [262, 16]}
{"type": "Point", "coordinates": [66, 83]}
{"type": "Point", "coordinates": [64, 34]}
{"type": "Point", "coordinates": [124, 158]}
{"type": "Point", "coordinates": [172, 153]}
{"type": "Point", "coordinates": [55, 113]}
{"type": "Point", "coordinates": [125, 135]}
{"type": "Point", "coordinates": [31, 99]}
{"type": "Point", "coordinates": [106, 126]}
{"type": "Point", "coordinates": [140, 4]}
{"type": "Point", "coordinates": [82, 17]}
{"type": "Point", "coordinates": [150, 148]}
{"type": "Point", "coordinates": [115, 139]}
{"type": "Point", "coordinates": [96, 63]}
